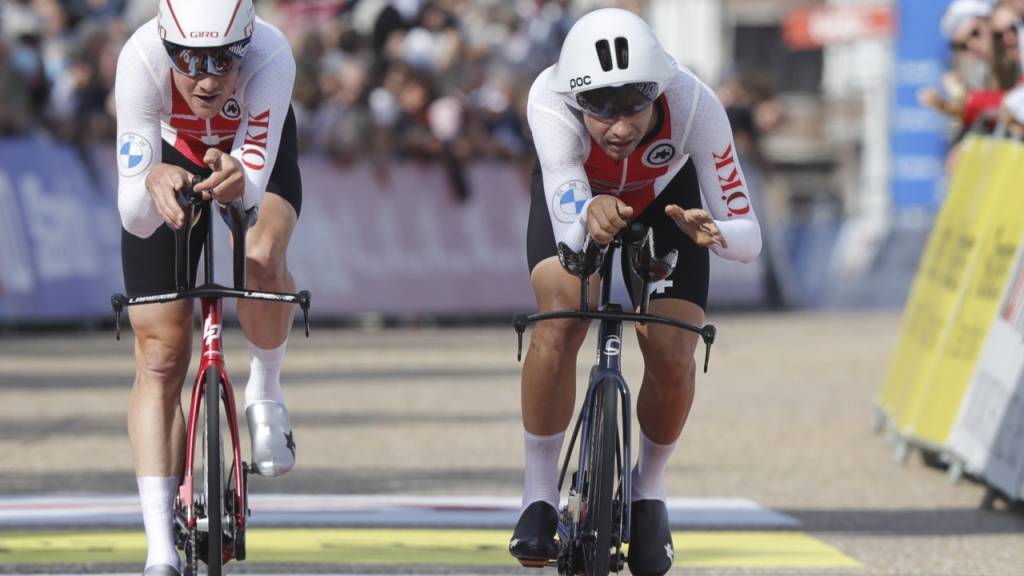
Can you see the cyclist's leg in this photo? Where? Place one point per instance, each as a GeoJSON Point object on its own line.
{"type": "Point", "coordinates": [162, 348]}
{"type": "Point", "coordinates": [155, 423]}
{"type": "Point", "coordinates": [548, 385]}
{"type": "Point", "coordinates": [666, 393]}
{"type": "Point", "coordinates": [265, 324]}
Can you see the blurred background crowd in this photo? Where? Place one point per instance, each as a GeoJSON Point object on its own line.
{"type": "Point", "coordinates": [426, 79]}
{"type": "Point", "coordinates": [980, 89]}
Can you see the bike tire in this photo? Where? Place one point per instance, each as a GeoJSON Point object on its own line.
{"type": "Point", "coordinates": [213, 485]}
{"type": "Point", "coordinates": [601, 481]}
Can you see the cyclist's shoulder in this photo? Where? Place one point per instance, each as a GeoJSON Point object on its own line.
{"type": "Point", "coordinates": [142, 50]}
{"type": "Point", "coordinates": [546, 107]}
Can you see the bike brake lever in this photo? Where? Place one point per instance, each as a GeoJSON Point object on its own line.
{"type": "Point", "coordinates": [708, 333]}
{"type": "Point", "coordinates": [519, 323]}
{"type": "Point", "coordinates": [304, 297]}
{"type": "Point", "coordinates": [117, 302]}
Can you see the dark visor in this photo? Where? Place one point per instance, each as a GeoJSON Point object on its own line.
{"type": "Point", "coordinates": [612, 101]}
{"type": "Point", "coordinates": [217, 61]}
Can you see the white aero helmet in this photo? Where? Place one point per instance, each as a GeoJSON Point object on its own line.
{"type": "Point", "coordinates": [609, 58]}
{"type": "Point", "coordinates": [205, 23]}
{"type": "Point", "coordinates": [205, 36]}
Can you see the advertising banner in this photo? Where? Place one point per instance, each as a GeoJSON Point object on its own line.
{"type": "Point", "coordinates": [988, 435]}
{"type": "Point", "coordinates": [60, 242]}
{"type": "Point", "coordinates": [938, 282]}
{"type": "Point", "coordinates": [919, 139]}
{"type": "Point", "coordinates": [997, 236]}
{"type": "Point", "coordinates": [393, 240]}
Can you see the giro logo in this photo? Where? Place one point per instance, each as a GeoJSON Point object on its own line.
{"type": "Point", "coordinates": [211, 332]}
{"type": "Point", "coordinates": [659, 154]}
{"type": "Point", "coordinates": [211, 34]}
{"type": "Point", "coordinates": [736, 200]}
{"type": "Point", "coordinates": [254, 149]}
{"type": "Point", "coordinates": [612, 346]}
{"type": "Point", "coordinates": [579, 81]}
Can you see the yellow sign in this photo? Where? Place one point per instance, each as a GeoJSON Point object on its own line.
{"type": "Point", "coordinates": [997, 234]}
{"type": "Point", "coordinates": [938, 280]}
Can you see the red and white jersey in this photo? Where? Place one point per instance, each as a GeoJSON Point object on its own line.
{"type": "Point", "coordinates": [693, 126]}
{"type": "Point", "coordinates": [150, 108]}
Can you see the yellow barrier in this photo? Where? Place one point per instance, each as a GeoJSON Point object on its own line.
{"type": "Point", "coordinates": [998, 234]}
{"type": "Point", "coordinates": [936, 285]}
{"type": "Point", "coordinates": [956, 292]}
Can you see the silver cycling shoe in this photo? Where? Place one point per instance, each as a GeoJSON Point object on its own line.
{"type": "Point", "coordinates": [273, 444]}
{"type": "Point", "coordinates": [161, 570]}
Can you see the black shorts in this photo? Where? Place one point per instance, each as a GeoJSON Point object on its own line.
{"type": "Point", "coordinates": [688, 282]}
{"type": "Point", "coordinates": [148, 263]}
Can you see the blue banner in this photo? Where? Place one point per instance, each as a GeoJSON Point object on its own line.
{"type": "Point", "coordinates": [919, 135]}
{"type": "Point", "coordinates": [60, 256]}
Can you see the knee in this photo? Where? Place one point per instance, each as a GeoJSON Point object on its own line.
{"type": "Point", "coordinates": [672, 371]}
{"type": "Point", "coordinates": [559, 336]}
{"type": "Point", "coordinates": [264, 265]}
{"type": "Point", "coordinates": [162, 365]}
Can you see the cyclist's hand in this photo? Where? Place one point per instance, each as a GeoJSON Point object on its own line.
{"type": "Point", "coordinates": [163, 182]}
{"type": "Point", "coordinates": [227, 181]}
{"type": "Point", "coordinates": [606, 215]}
{"type": "Point", "coordinates": [698, 225]}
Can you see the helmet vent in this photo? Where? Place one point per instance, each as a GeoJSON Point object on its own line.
{"type": "Point", "coordinates": [604, 55]}
{"type": "Point", "coordinates": [622, 52]}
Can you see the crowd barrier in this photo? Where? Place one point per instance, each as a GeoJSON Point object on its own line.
{"type": "Point", "coordinates": [395, 242]}
{"type": "Point", "coordinates": [954, 379]}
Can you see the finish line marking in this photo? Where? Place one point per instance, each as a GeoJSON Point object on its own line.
{"type": "Point", "coordinates": [397, 547]}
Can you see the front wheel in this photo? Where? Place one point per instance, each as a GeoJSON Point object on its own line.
{"type": "Point", "coordinates": [213, 468]}
{"type": "Point", "coordinates": [596, 512]}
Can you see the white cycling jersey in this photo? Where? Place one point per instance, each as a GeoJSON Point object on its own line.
{"type": "Point", "coordinates": [150, 109]}
{"type": "Point", "coordinates": [693, 126]}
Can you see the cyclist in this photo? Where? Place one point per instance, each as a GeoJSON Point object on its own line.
{"type": "Point", "coordinates": [203, 89]}
{"type": "Point", "coordinates": [623, 133]}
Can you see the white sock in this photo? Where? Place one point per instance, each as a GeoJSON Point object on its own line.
{"type": "Point", "coordinates": [649, 473]}
{"type": "Point", "coordinates": [541, 474]}
{"type": "Point", "coordinates": [265, 374]}
{"type": "Point", "coordinates": [157, 496]}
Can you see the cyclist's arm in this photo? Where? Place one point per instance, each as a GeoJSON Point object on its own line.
{"type": "Point", "coordinates": [725, 194]}
{"type": "Point", "coordinates": [559, 149]}
{"type": "Point", "coordinates": [138, 102]}
{"type": "Point", "coordinates": [267, 96]}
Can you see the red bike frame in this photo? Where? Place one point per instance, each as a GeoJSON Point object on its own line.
{"type": "Point", "coordinates": [212, 359]}
{"type": "Point", "coordinates": [210, 294]}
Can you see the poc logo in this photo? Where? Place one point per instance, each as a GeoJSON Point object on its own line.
{"type": "Point", "coordinates": [213, 34]}
{"type": "Point", "coordinates": [579, 81]}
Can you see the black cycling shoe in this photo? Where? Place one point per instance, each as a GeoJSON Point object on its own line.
{"type": "Point", "coordinates": [650, 539]}
{"type": "Point", "coordinates": [533, 541]}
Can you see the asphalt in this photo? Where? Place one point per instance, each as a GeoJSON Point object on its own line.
{"type": "Point", "coordinates": [783, 419]}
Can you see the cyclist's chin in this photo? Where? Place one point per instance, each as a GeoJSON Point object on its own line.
{"type": "Point", "coordinates": [206, 108]}
{"type": "Point", "coordinates": [618, 152]}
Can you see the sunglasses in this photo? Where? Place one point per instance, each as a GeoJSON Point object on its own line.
{"type": "Point", "coordinates": [194, 62]}
{"type": "Point", "coordinates": [612, 101]}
